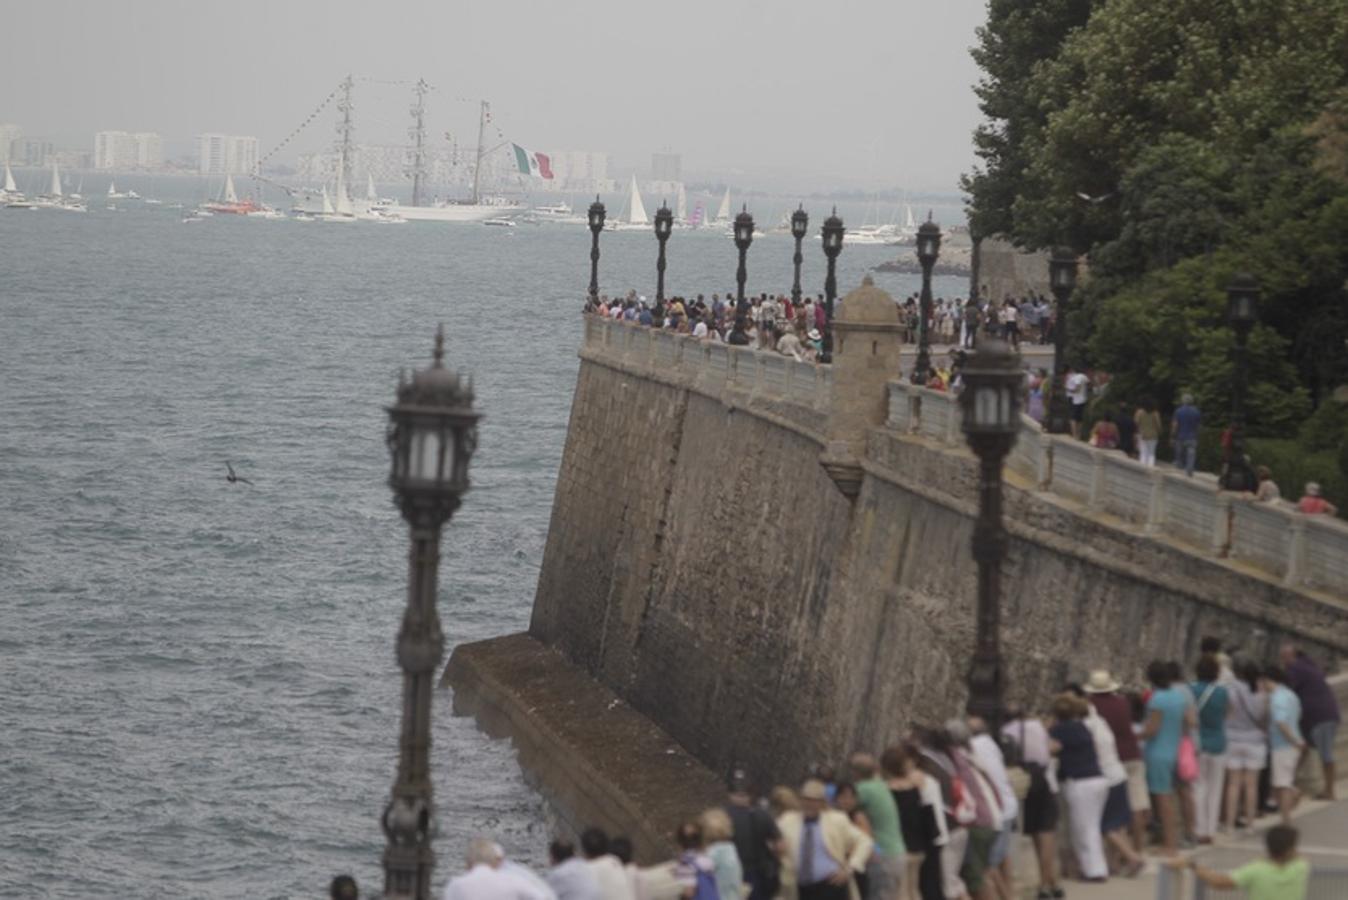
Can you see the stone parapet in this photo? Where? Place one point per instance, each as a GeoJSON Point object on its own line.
{"type": "Point", "coordinates": [1307, 553]}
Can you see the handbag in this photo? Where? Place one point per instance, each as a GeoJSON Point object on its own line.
{"type": "Point", "coordinates": [1186, 766]}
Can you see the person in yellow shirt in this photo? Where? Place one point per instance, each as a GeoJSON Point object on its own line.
{"type": "Point", "coordinates": [1282, 876]}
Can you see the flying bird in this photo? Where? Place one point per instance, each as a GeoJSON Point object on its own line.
{"type": "Point", "coordinates": [1094, 200]}
{"type": "Point", "coordinates": [232, 478]}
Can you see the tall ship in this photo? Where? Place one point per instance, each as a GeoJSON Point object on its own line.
{"type": "Point", "coordinates": [476, 207]}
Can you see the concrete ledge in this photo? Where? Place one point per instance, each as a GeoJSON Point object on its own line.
{"type": "Point", "coordinates": [594, 759]}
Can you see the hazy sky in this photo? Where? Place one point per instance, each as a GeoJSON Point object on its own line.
{"type": "Point", "coordinates": [839, 91]}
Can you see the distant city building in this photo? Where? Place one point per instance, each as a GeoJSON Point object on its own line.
{"type": "Point", "coordinates": [120, 150]}
{"type": "Point", "coordinates": [31, 151]}
{"type": "Point", "coordinates": [71, 160]}
{"type": "Point", "coordinates": [666, 167]}
{"type": "Point", "coordinates": [581, 171]}
{"type": "Point", "coordinates": [226, 154]}
{"type": "Point", "coordinates": [9, 136]}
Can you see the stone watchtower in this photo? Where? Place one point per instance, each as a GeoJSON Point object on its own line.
{"type": "Point", "coordinates": [868, 338]}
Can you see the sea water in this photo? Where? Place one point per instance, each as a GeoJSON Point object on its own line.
{"type": "Point", "coordinates": [198, 689]}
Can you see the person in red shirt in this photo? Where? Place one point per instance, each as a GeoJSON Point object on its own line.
{"type": "Point", "coordinates": [1313, 504]}
{"type": "Point", "coordinates": [1117, 711]}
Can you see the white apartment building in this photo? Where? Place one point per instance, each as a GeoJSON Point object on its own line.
{"type": "Point", "coordinates": [226, 154]}
{"type": "Point", "coordinates": [121, 150]}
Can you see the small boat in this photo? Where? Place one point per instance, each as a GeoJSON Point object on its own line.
{"type": "Point", "coordinates": [56, 199]}
{"type": "Point", "coordinates": [229, 202]}
{"type": "Point", "coordinates": [499, 222]}
{"type": "Point", "coordinates": [114, 194]}
{"type": "Point", "coordinates": [560, 210]}
{"type": "Point", "coordinates": [10, 197]}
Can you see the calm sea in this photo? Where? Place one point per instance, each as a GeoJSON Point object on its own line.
{"type": "Point", "coordinates": [198, 690]}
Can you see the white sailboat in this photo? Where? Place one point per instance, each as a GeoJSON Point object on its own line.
{"type": "Point", "coordinates": [114, 194]}
{"type": "Point", "coordinates": [10, 196]}
{"type": "Point", "coordinates": [636, 217]}
{"type": "Point", "coordinates": [681, 206]}
{"type": "Point", "coordinates": [55, 198]}
{"type": "Point", "coordinates": [369, 189]}
{"type": "Point", "coordinates": [723, 211]}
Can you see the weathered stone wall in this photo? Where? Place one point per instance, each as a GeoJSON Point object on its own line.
{"type": "Point", "coordinates": [704, 566]}
{"type": "Point", "coordinates": [1006, 271]}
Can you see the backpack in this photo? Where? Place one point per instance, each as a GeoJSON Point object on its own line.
{"type": "Point", "coordinates": [704, 884]}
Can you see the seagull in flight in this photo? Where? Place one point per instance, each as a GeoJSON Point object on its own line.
{"type": "Point", "coordinates": [232, 478]}
{"type": "Point", "coordinates": [1096, 201]}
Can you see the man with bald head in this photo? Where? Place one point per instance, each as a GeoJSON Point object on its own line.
{"type": "Point", "coordinates": [487, 879]}
{"type": "Point", "coordinates": [888, 867]}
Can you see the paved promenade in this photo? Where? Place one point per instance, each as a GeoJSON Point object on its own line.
{"type": "Point", "coordinates": [1324, 841]}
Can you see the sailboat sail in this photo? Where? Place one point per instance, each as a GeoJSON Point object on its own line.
{"type": "Point", "coordinates": [10, 186]}
{"type": "Point", "coordinates": [327, 202]}
{"type": "Point", "coordinates": [637, 214]}
{"type": "Point", "coordinates": [908, 222]}
{"type": "Point", "coordinates": [112, 189]}
{"type": "Point", "coordinates": [681, 205]}
{"type": "Point", "coordinates": [343, 200]}
{"type": "Point", "coordinates": [696, 220]}
{"type": "Point", "coordinates": [55, 181]}
{"type": "Point", "coordinates": [230, 196]}
{"type": "Point", "coordinates": [369, 189]}
{"type": "Point", "coordinates": [723, 213]}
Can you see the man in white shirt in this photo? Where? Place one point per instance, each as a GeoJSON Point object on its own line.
{"type": "Point", "coordinates": [1077, 384]}
{"type": "Point", "coordinates": [988, 757]}
{"type": "Point", "coordinates": [487, 880]}
{"type": "Point", "coordinates": [570, 877]}
{"type": "Point", "coordinates": [608, 871]}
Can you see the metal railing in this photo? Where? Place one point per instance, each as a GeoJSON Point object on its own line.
{"type": "Point", "coordinates": [1325, 883]}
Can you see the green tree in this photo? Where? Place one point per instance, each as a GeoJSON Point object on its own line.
{"type": "Point", "coordinates": [1018, 36]}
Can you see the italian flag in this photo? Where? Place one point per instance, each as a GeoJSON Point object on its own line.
{"type": "Point", "coordinates": [530, 163]}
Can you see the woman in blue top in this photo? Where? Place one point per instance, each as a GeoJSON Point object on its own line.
{"type": "Point", "coordinates": [1213, 703]}
{"type": "Point", "coordinates": [1169, 714]}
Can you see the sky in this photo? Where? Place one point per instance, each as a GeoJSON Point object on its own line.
{"type": "Point", "coordinates": [846, 93]}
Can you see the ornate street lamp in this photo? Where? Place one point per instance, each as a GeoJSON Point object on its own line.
{"type": "Point", "coordinates": [832, 235]}
{"type": "Point", "coordinates": [664, 224]}
{"type": "Point", "coordinates": [744, 236]}
{"type": "Point", "coordinates": [431, 437]}
{"type": "Point", "coordinates": [1242, 296]}
{"type": "Point", "coordinates": [990, 402]}
{"type": "Point", "coordinates": [596, 226]}
{"type": "Point", "coordinates": [928, 249]}
{"type": "Point", "coordinates": [1062, 280]}
{"type": "Point", "coordinates": [800, 224]}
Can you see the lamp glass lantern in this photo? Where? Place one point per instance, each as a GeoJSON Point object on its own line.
{"type": "Point", "coordinates": [596, 215]}
{"type": "Point", "coordinates": [832, 233]}
{"type": "Point", "coordinates": [664, 222]}
{"type": "Point", "coordinates": [928, 241]}
{"type": "Point", "coordinates": [800, 223]}
{"type": "Point", "coordinates": [432, 433]}
{"type": "Point", "coordinates": [1062, 270]}
{"type": "Point", "coordinates": [992, 387]}
{"type": "Point", "coordinates": [744, 228]}
{"type": "Point", "coordinates": [1243, 300]}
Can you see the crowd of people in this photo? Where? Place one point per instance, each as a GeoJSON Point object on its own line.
{"type": "Point", "coordinates": [1096, 779]}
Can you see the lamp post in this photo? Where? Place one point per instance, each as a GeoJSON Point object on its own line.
{"type": "Point", "coordinates": [928, 249]}
{"type": "Point", "coordinates": [596, 226]}
{"type": "Point", "coordinates": [664, 224]}
{"type": "Point", "coordinates": [832, 239]}
{"type": "Point", "coordinates": [1242, 296]}
{"type": "Point", "coordinates": [744, 236]}
{"type": "Point", "coordinates": [1062, 280]}
{"type": "Point", "coordinates": [990, 403]}
{"type": "Point", "coordinates": [800, 224]}
{"type": "Point", "coordinates": [431, 437]}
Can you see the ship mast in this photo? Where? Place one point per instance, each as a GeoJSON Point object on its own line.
{"type": "Point", "coordinates": [345, 129]}
{"type": "Point", "coordinates": [418, 134]}
{"type": "Point", "coordinates": [481, 150]}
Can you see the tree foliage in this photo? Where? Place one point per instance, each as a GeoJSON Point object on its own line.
{"type": "Point", "coordinates": [1217, 133]}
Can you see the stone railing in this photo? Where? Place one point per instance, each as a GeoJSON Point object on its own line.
{"type": "Point", "coordinates": [710, 367]}
{"type": "Point", "coordinates": [1301, 550]}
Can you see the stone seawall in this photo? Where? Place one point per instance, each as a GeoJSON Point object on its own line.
{"type": "Point", "coordinates": [707, 568]}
